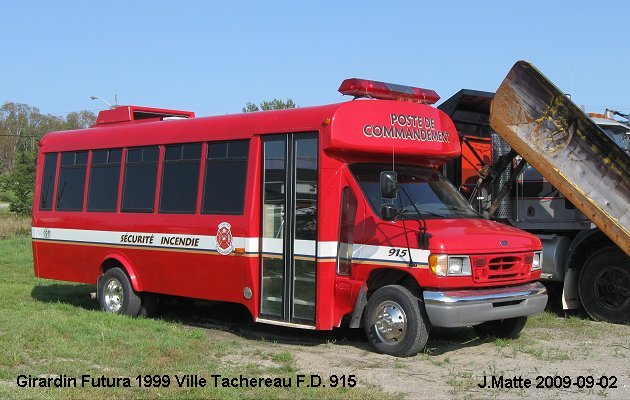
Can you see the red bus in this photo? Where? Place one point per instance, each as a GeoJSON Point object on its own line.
{"type": "Point", "coordinates": [305, 216]}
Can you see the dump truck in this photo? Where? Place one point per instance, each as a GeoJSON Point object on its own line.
{"type": "Point", "coordinates": [534, 160]}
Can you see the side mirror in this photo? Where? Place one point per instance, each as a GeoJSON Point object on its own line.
{"type": "Point", "coordinates": [389, 184]}
{"type": "Point", "coordinates": [388, 212]}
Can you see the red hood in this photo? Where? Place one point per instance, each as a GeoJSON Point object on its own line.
{"type": "Point", "coordinates": [478, 236]}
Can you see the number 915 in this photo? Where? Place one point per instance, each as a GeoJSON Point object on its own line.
{"type": "Point", "coordinates": [398, 252]}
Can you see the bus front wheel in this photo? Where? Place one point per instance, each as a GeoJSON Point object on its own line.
{"type": "Point", "coordinates": [396, 322]}
{"type": "Point", "coordinates": [116, 295]}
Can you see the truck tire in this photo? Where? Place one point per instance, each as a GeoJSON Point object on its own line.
{"type": "Point", "coordinates": [116, 295]}
{"type": "Point", "coordinates": [509, 328]}
{"type": "Point", "coordinates": [396, 322]}
{"type": "Point", "coordinates": [604, 285]}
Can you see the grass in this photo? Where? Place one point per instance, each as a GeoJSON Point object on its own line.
{"type": "Point", "coordinates": [550, 320]}
{"type": "Point", "coordinates": [51, 329]}
{"type": "Point", "coordinates": [462, 382]}
{"type": "Point", "coordinates": [546, 354]}
{"type": "Point", "coordinates": [12, 225]}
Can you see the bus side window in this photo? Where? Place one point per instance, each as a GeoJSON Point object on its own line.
{"type": "Point", "coordinates": [180, 178]}
{"type": "Point", "coordinates": [48, 181]}
{"type": "Point", "coordinates": [104, 177]}
{"type": "Point", "coordinates": [346, 231]}
{"type": "Point", "coordinates": [71, 185]}
{"type": "Point", "coordinates": [140, 177]}
{"type": "Point", "coordinates": [225, 177]}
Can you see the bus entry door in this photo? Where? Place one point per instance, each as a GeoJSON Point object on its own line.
{"type": "Point", "coordinates": [289, 228]}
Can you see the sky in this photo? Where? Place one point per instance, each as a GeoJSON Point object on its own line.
{"type": "Point", "coordinates": [213, 57]}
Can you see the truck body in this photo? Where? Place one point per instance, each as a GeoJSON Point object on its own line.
{"type": "Point", "coordinates": [575, 196]}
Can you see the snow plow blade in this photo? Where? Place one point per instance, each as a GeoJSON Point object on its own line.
{"type": "Point", "coordinates": [551, 133]}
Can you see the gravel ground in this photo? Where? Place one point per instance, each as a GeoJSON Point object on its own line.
{"type": "Point", "coordinates": [566, 353]}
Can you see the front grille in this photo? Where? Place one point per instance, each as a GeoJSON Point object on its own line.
{"type": "Point", "coordinates": [500, 268]}
{"type": "Point", "coordinates": [503, 267]}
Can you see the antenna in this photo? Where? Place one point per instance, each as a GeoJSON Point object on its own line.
{"type": "Point", "coordinates": [104, 101]}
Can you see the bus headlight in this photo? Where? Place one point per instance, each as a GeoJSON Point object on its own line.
{"type": "Point", "coordinates": [537, 261]}
{"type": "Point", "coordinates": [458, 265]}
{"type": "Point", "coordinates": [445, 265]}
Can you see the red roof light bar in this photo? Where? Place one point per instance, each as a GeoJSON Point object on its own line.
{"type": "Point", "coordinates": [387, 91]}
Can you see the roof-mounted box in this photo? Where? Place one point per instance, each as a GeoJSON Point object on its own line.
{"type": "Point", "coordinates": [137, 114]}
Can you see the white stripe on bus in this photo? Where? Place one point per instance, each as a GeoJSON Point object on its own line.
{"type": "Point", "coordinates": [302, 248]}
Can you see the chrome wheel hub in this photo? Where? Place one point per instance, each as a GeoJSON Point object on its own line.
{"type": "Point", "coordinates": [113, 294]}
{"type": "Point", "coordinates": [390, 322]}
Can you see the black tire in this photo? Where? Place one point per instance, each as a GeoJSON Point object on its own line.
{"type": "Point", "coordinates": [604, 285]}
{"type": "Point", "coordinates": [408, 331]}
{"type": "Point", "coordinates": [509, 328]}
{"type": "Point", "coordinates": [116, 295]}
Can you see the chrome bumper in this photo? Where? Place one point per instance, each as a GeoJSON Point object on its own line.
{"type": "Point", "coordinates": [472, 307]}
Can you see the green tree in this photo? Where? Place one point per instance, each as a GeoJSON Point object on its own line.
{"type": "Point", "coordinates": [274, 104]}
{"type": "Point", "coordinates": [21, 181]}
{"type": "Point", "coordinates": [79, 120]}
{"type": "Point", "coordinates": [21, 127]}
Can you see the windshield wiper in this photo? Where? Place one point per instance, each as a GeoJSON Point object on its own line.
{"type": "Point", "coordinates": [454, 208]}
{"type": "Point", "coordinates": [463, 210]}
{"type": "Point", "coordinates": [408, 209]}
{"type": "Point", "coordinates": [45, 198]}
{"type": "Point", "coordinates": [60, 195]}
{"type": "Point", "coordinates": [423, 235]}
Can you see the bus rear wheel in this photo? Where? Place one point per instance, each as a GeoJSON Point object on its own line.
{"type": "Point", "coordinates": [395, 322]}
{"type": "Point", "coordinates": [604, 286]}
{"type": "Point", "coordinates": [116, 295]}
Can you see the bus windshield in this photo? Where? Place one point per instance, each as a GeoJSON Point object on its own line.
{"type": "Point", "coordinates": [432, 194]}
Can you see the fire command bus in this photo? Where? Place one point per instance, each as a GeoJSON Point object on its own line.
{"type": "Point", "coordinates": [305, 216]}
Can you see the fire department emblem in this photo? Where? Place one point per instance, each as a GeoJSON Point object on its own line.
{"type": "Point", "coordinates": [224, 239]}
